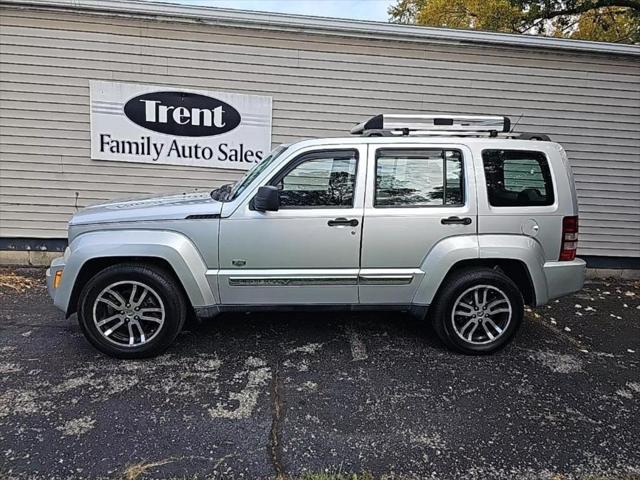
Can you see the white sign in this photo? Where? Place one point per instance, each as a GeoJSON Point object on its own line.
{"type": "Point", "coordinates": [154, 124]}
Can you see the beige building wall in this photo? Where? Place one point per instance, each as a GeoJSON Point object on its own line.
{"type": "Point", "coordinates": [321, 84]}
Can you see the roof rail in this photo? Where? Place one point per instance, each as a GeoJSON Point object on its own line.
{"type": "Point", "coordinates": [392, 125]}
{"type": "Point", "coordinates": [435, 123]}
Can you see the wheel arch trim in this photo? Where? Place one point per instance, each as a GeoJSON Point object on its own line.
{"type": "Point", "coordinates": [173, 248]}
{"type": "Point", "coordinates": [451, 251]}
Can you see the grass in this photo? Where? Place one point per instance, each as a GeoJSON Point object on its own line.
{"type": "Point", "coordinates": [15, 282]}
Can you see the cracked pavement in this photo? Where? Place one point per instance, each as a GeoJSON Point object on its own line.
{"type": "Point", "coordinates": [266, 395]}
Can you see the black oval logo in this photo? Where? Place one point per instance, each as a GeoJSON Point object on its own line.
{"type": "Point", "coordinates": [182, 113]}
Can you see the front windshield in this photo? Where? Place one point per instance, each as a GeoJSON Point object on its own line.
{"type": "Point", "coordinates": [245, 181]}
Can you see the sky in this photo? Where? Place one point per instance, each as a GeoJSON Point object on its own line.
{"type": "Point", "coordinates": [353, 9]}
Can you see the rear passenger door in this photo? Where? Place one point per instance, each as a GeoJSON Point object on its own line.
{"type": "Point", "coordinates": [416, 196]}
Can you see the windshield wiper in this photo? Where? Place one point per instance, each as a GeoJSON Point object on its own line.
{"type": "Point", "coordinates": [221, 192]}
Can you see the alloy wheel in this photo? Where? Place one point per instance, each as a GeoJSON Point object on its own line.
{"type": "Point", "coordinates": [481, 314]}
{"type": "Point", "coordinates": [128, 313]}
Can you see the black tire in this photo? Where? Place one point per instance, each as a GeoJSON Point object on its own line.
{"type": "Point", "coordinates": [456, 285]}
{"type": "Point", "coordinates": [160, 283]}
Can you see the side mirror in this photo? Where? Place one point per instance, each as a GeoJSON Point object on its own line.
{"type": "Point", "coordinates": [267, 199]}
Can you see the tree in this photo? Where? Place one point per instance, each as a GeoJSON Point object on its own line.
{"type": "Point", "coordinates": [601, 20]}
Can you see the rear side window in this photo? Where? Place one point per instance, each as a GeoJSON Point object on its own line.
{"type": "Point", "coordinates": [418, 178]}
{"type": "Point", "coordinates": [517, 178]}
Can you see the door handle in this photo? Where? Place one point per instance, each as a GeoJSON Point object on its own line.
{"type": "Point", "coordinates": [456, 221]}
{"type": "Point", "coordinates": [343, 222]}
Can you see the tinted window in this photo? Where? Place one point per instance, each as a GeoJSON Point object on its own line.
{"type": "Point", "coordinates": [517, 178]}
{"type": "Point", "coordinates": [418, 178]}
{"type": "Point", "coordinates": [245, 181]}
{"type": "Point", "coordinates": [320, 180]}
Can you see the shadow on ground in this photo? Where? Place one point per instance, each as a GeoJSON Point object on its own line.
{"type": "Point", "coordinates": [256, 396]}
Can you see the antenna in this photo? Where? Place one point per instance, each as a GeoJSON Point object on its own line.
{"type": "Point", "coordinates": [517, 121]}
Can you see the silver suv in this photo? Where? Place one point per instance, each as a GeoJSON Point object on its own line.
{"type": "Point", "coordinates": [452, 219]}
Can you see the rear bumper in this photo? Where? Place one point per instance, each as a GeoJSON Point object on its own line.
{"type": "Point", "coordinates": [56, 265]}
{"type": "Point", "coordinates": [564, 278]}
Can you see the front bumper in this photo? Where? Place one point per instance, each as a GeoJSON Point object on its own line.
{"type": "Point", "coordinates": [56, 265]}
{"type": "Point", "coordinates": [564, 278]}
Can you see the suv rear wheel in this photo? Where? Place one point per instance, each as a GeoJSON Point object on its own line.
{"type": "Point", "coordinates": [131, 310]}
{"type": "Point", "coordinates": [478, 311]}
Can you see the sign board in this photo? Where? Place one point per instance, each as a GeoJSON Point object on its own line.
{"type": "Point", "coordinates": [154, 124]}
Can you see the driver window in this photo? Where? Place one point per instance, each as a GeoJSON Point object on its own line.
{"type": "Point", "coordinates": [320, 179]}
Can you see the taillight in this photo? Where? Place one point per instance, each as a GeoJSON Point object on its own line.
{"type": "Point", "coordinates": [569, 238]}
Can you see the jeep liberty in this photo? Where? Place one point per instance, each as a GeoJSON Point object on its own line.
{"type": "Point", "coordinates": [453, 219]}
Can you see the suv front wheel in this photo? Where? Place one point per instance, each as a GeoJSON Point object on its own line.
{"type": "Point", "coordinates": [478, 311]}
{"type": "Point", "coordinates": [131, 310]}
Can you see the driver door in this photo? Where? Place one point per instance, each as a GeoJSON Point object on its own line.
{"type": "Point", "coordinates": [307, 252]}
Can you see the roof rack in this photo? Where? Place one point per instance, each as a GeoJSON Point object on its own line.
{"type": "Point", "coordinates": [392, 125]}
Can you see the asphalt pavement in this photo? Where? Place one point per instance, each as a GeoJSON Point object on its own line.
{"type": "Point", "coordinates": [280, 395]}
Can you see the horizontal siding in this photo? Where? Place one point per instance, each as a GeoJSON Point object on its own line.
{"type": "Point", "coordinates": [166, 34]}
{"type": "Point", "coordinates": [341, 67]}
{"type": "Point", "coordinates": [321, 86]}
{"type": "Point", "coordinates": [496, 85]}
{"type": "Point", "coordinates": [28, 106]}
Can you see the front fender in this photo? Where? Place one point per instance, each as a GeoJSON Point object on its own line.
{"type": "Point", "coordinates": [173, 247]}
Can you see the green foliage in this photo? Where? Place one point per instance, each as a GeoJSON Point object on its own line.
{"type": "Point", "coordinates": [600, 20]}
{"type": "Point", "coordinates": [609, 25]}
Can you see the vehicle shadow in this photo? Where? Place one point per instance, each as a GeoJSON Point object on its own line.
{"type": "Point", "coordinates": [288, 329]}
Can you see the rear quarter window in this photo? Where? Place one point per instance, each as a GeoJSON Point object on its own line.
{"type": "Point", "coordinates": [517, 178]}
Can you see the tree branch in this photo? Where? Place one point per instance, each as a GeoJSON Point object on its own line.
{"type": "Point", "coordinates": [583, 7]}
